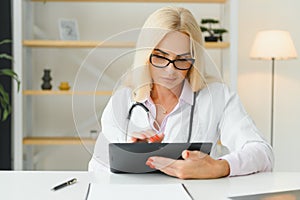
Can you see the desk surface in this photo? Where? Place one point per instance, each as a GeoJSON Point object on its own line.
{"type": "Point", "coordinates": [37, 184]}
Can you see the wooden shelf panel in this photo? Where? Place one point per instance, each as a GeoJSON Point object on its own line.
{"type": "Point", "coordinates": [93, 44]}
{"type": "Point", "coordinates": [58, 92]}
{"type": "Point", "coordinates": [216, 45]}
{"type": "Point", "coordinates": [57, 141]}
{"type": "Point", "coordinates": [133, 1]}
{"type": "Point", "coordinates": [76, 44]}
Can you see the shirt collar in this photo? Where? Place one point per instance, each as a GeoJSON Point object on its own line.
{"type": "Point", "coordinates": [186, 94]}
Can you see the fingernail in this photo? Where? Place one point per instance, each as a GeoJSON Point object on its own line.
{"type": "Point", "coordinates": [187, 154]}
{"type": "Point", "coordinates": [151, 140]}
{"type": "Point", "coordinates": [151, 166]}
{"type": "Point", "coordinates": [154, 138]}
{"type": "Point", "coordinates": [149, 163]}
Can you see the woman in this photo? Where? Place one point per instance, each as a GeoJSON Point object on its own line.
{"type": "Point", "coordinates": [169, 78]}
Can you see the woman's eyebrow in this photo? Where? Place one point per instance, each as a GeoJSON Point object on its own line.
{"type": "Point", "coordinates": [161, 51]}
{"type": "Point", "coordinates": [184, 54]}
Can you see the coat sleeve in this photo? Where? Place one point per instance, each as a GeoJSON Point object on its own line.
{"type": "Point", "coordinates": [249, 152]}
{"type": "Point", "coordinates": [113, 125]}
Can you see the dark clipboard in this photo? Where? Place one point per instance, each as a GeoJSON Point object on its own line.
{"type": "Point", "coordinates": [131, 157]}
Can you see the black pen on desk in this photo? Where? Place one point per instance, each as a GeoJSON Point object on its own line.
{"type": "Point", "coordinates": [70, 182]}
{"type": "Point", "coordinates": [187, 191]}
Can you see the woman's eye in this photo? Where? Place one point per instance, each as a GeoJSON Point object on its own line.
{"type": "Point", "coordinates": [160, 54]}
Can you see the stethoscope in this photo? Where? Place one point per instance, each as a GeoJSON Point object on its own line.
{"type": "Point", "coordinates": [138, 104]}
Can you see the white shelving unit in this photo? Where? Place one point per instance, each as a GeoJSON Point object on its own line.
{"type": "Point", "coordinates": [21, 57]}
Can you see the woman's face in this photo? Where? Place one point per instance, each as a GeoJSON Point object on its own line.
{"type": "Point", "coordinates": [174, 46]}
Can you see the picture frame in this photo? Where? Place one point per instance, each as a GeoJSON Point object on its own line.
{"type": "Point", "coordinates": [68, 29]}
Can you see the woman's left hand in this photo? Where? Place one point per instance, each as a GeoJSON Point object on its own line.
{"type": "Point", "coordinates": [196, 165]}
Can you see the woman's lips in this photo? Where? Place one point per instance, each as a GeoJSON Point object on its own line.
{"type": "Point", "coordinates": [168, 79]}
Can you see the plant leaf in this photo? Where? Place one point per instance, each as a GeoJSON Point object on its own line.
{"type": "Point", "coordinates": [209, 21]}
{"type": "Point", "coordinates": [5, 114]}
{"type": "Point", "coordinates": [8, 72]}
{"type": "Point", "coordinates": [203, 29]}
{"type": "Point", "coordinates": [5, 56]}
{"type": "Point", "coordinates": [5, 41]}
{"type": "Point", "coordinates": [219, 31]}
{"type": "Point", "coordinates": [12, 74]}
{"type": "Point", "coordinates": [4, 95]}
{"type": "Point", "coordinates": [4, 105]}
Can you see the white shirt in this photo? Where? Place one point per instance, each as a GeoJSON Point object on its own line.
{"type": "Point", "coordinates": [218, 115]}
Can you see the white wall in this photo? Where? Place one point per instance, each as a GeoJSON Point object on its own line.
{"type": "Point", "coordinates": [254, 81]}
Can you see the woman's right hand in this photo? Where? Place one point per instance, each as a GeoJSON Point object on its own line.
{"type": "Point", "coordinates": [148, 136]}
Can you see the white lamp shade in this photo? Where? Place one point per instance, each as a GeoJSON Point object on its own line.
{"type": "Point", "coordinates": [275, 44]}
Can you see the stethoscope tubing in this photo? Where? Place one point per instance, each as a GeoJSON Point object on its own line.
{"type": "Point", "coordinates": [148, 112]}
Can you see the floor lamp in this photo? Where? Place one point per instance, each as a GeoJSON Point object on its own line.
{"type": "Point", "coordinates": [273, 45]}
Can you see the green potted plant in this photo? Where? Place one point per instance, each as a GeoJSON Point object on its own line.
{"type": "Point", "coordinates": [5, 107]}
{"type": "Point", "coordinates": [215, 34]}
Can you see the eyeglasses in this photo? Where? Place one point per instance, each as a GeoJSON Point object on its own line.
{"type": "Point", "coordinates": [180, 64]}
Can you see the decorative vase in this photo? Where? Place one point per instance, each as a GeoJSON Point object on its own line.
{"type": "Point", "coordinates": [46, 80]}
{"type": "Point", "coordinates": [211, 39]}
{"type": "Point", "coordinates": [64, 86]}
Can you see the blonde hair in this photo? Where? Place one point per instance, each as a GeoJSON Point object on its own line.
{"type": "Point", "coordinates": [157, 25]}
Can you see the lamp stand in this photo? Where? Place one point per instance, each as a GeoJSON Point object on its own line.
{"type": "Point", "coordinates": [272, 101]}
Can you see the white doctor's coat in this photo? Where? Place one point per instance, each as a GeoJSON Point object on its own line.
{"type": "Point", "coordinates": [218, 115]}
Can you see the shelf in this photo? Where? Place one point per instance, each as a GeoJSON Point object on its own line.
{"type": "Point", "coordinates": [93, 44]}
{"type": "Point", "coordinates": [77, 44]}
{"type": "Point", "coordinates": [216, 45]}
{"type": "Point", "coordinates": [69, 92]}
{"type": "Point", "coordinates": [133, 1]}
{"type": "Point", "coordinates": [58, 140]}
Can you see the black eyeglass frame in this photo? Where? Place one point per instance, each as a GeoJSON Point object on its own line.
{"type": "Point", "coordinates": [192, 60]}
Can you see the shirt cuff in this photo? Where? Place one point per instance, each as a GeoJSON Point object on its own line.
{"type": "Point", "coordinates": [233, 162]}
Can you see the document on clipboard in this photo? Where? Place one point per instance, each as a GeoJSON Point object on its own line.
{"type": "Point", "coordinates": [175, 191]}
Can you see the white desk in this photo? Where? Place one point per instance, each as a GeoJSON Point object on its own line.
{"type": "Point", "coordinates": [37, 184]}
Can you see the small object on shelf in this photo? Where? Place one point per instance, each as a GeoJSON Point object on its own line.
{"type": "Point", "coordinates": [46, 80]}
{"type": "Point", "coordinates": [93, 134]}
{"type": "Point", "coordinates": [215, 34]}
{"type": "Point", "coordinates": [68, 29]}
{"type": "Point", "coordinates": [64, 86]}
